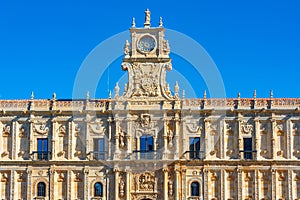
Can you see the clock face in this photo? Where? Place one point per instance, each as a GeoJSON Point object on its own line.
{"type": "Point", "coordinates": [146, 44]}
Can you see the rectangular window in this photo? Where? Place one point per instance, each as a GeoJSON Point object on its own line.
{"type": "Point", "coordinates": [248, 148]}
{"type": "Point", "coordinates": [195, 148]}
{"type": "Point", "coordinates": [99, 148]}
{"type": "Point", "coordinates": [146, 143]}
{"type": "Point", "coordinates": [42, 148]}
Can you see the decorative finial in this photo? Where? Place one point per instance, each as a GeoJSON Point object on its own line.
{"type": "Point", "coordinates": [133, 22]}
{"type": "Point", "coordinates": [32, 95]}
{"type": "Point", "coordinates": [254, 94]}
{"type": "Point", "coordinates": [54, 96]}
{"type": "Point", "coordinates": [176, 90]}
{"type": "Point", "coordinates": [87, 95]}
{"type": "Point", "coordinates": [147, 18]}
{"type": "Point", "coordinates": [117, 90]}
{"type": "Point", "coordinates": [183, 94]}
{"type": "Point", "coordinates": [239, 95]}
{"type": "Point", "coordinates": [127, 49]}
{"type": "Point", "coordinates": [271, 93]}
{"type": "Point", "coordinates": [109, 95]}
{"type": "Point", "coordinates": [204, 94]}
{"type": "Point", "coordinates": [160, 22]}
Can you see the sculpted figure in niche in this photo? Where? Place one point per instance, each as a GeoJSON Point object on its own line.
{"type": "Point", "coordinates": [121, 138]}
{"type": "Point", "coordinates": [170, 134]}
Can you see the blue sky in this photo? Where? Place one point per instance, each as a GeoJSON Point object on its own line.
{"type": "Point", "coordinates": [255, 44]}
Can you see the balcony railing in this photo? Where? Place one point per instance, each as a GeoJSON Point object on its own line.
{"type": "Point", "coordinates": [98, 155]}
{"type": "Point", "coordinates": [145, 155]}
{"type": "Point", "coordinates": [194, 155]}
{"type": "Point", "coordinates": [41, 155]}
{"type": "Point", "coordinates": [247, 154]}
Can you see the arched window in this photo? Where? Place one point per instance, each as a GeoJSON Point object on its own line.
{"type": "Point", "coordinates": [41, 189]}
{"type": "Point", "coordinates": [195, 189]}
{"type": "Point", "coordinates": [98, 189]}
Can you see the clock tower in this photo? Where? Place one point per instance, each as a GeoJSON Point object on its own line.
{"type": "Point", "coordinates": [147, 60]}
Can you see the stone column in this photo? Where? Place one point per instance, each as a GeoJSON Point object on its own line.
{"type": "Point", "coordinates": [51, 183]}
{"type": "Point", "coordinates": [289, 133]}
{"type": "Point", "coordinates": [206, 133]}
{"type": "Point", "coordinates": [165, 171]}
{"type": "Point", "coordinates": [127, 185]}
{"type": "Point", "coordinates": [53, 137]}
{"type": "Point", "coordinates": [176, 136]}
{"type": "Point", "coordinates": [185, 187]}
{"type": "Point", "coordinates": [240, 183]}
{"type": "Point", "coordinates": [29, 182]}
{"type": "Point", "coordinates": [222, 134]}
{"type": "Point", "coordinates": [240, 139]}
{"type": "Point", "coordinates": [70, 143]}
{"type": "Point", "coordinates": [290, 184]}
{"type": "Point", "coordinates": [116, 172]}
{"type": "Point", "coordinates": [109, 140]}
{"type": "Point", "coordinates": [69, 185]}
{"type": "Point", "coordinates": [87, 139]}
{"type": "Point", "coordinates": [30, 137]}
{"type": "Point", "coordinates": [12, 184]}
{"type": "Point", "coordinates": [86, 183]}
{"type": "Point", "coordinates": [205, 184]}
{"type": "Point", "coordinates": [177, 183]}
{"type": "Point", "coordinates": [273, 139]}
{"type": "Point", "coordinates": [116, 138]}
{"type": "Point", "coordinates": [223, 184]}
{"type": "Point", "coordinates": [256, 185]}
{"type": "Point", "coordinates": [273, 171]}
{"type": "Point", "coordinates": [165, 137]}
{"type": "Point", "coordinates": [14, 134]}
{"type": "Point", "coordinates": [257, 138]}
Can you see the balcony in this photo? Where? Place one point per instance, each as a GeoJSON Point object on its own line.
{"type": "Point", "coordinates": [193, 155]}
{"type": "Point", "coordinates": [40, 155]}
{"type": "Point", "coordinates": [247, 154]}
{"type": "Point", "coordinates": [146, 155]}
{"type": "Point", "coordinates": [98, 155]}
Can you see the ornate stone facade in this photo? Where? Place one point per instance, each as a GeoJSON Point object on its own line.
{"type": "Point", "coordinates": [148, 143]}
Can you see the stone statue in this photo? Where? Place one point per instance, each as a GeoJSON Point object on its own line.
{"type": "Point", "coordinates": [121, 138]}
{"type": "Point", "coordinates": [147, 17]}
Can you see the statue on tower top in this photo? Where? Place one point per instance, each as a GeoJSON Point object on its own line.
{"type": "Point", "coordinates": [147, 18]}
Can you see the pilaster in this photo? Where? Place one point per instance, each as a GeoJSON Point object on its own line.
{"type": "Point", "coordinates": [274, 182]}
{"type": "Point", "coordinates": [240, 183]}
{"type": "Point", "coordinates": [273, 139]}
{"type": "Point", "coordinates": [12, 184]}
{"type": "Point", "coordinates": [128, 172]}
{"type": "Point", "coordinates": [51, 183]}
{"type": "Point", "coordinates": [205, 184]}
{"type": "Point", "coordinates": [165, 187]}
{"type": "Point", "coordinates": [257, 138]}
{"type": "Point", "coordinates": [86, 182]}
{"type": "Point", "coordinates": [14, 134]}
{"type": "Point", "coordinates": [29, 182]}
{"type": "Point", "coordinates": [116, 172]}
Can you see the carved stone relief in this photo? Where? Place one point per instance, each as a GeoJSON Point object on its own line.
{"type": "Point", "coordinates": [246, 127]}
{"type": "Point", "coordinates": [41, 127]}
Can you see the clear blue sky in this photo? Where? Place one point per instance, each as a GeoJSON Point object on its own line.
{"type": "Point", "coordinates": [255, 44]}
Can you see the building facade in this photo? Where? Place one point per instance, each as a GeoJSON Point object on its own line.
{"type": "Point", "coordinates": [150, 143]}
